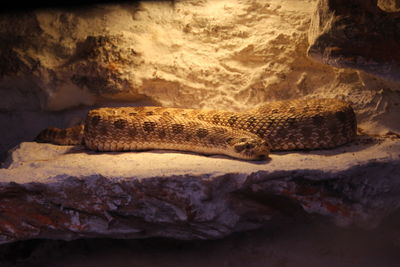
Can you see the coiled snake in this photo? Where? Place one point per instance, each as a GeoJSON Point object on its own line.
{"type": "Point", "coordinates": [250, 135]}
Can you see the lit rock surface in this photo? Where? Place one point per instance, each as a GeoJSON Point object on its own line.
{"type": "Point", "coordinates": [50, 191]}
{"type": "Point", "coordinates": [357, 34]}
{"type": "Point", "coordinates": [225, 54]}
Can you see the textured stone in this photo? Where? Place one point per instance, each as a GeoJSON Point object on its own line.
{"type": "Point", "coordinates": [200, 54]}
{"type": "Point", "coordinates": [50, 191]}
{"type": "Point", "coordinates": [356, 34]}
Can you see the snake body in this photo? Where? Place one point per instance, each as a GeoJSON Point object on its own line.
{"type": "Point", "coordinates": [250, 134]}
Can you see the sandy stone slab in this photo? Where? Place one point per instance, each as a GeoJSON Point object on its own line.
{"type": "Point", "coordinates": [63, 192]}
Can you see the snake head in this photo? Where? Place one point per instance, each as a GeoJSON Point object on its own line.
{"type": "Point", "coordinates": [251, 148]}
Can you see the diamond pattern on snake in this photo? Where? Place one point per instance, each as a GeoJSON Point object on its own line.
{"type": "Point", "coordinates": [250, 135]}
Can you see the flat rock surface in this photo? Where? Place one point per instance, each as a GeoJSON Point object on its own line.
{"type": "Point", "coordinates": [67, 192]}
{"type": "Point", "coordinates": [34, 162]}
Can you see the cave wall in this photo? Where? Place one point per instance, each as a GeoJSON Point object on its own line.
{"type": "Point", "coordinates": [56, 63]}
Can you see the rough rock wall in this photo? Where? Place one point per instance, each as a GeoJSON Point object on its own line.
{"type": "Point", "coordinates": [194, 53]}
{"type": "Point", "coordinates": [202, 54]}
{"type": "Point", "coordinates": [358, 35]}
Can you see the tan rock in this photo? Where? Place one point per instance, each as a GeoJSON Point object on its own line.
{"type": "Point", "coordinates": [64, 192]}
{"type": "Point", "coordinates": [225, 54]}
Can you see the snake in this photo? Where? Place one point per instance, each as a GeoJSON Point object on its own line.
{"type": "Point", "coordinates": [300, 124]}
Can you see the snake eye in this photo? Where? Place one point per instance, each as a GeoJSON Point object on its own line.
{"type": "Point", "coordinates": [243, 146]}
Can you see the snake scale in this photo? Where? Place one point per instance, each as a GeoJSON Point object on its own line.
{"type": "Point", "coordinates": [250, 135]}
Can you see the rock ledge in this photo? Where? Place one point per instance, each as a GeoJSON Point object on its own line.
{"type": "Point", "coordinates": [65, 192]}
